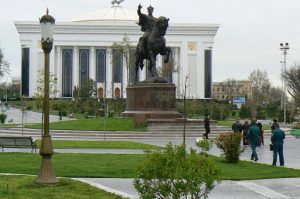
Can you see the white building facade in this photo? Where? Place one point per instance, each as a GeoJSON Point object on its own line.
{"type": "Point", "coordinates": [82, 50]}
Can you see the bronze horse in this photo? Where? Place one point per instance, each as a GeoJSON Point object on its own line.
{"type": "Point", "coordinates": [154, 44]}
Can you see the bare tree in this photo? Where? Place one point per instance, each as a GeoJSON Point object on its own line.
{"type": "Point", "coordinates": [260, 85]}
{"type": "Point", "coordinates": [125, 49]}
{"type": "Point", "coordinates": [292, 79]}
{"type": "Point", "coordinates": [275, 94]}
{"type": "Point", "coordinates": [260, 90]}
{"type": "Point", "coordinates": [4, 65]}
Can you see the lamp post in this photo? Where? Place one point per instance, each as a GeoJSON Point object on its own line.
{"type": "Point", "coordinates": [284, 48]}
{"type": "Point", "coordinates": [46, 175]}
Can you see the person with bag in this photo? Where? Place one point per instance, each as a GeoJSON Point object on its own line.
{"type": "Point", "coordinates": [206, 126]}
{"type": "Point", "coordinates": [277, 141]}
{"type": "Point", "coordinates": [253, 136]}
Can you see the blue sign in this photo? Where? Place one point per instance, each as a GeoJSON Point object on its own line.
{"type": "Point", "coordinates": [239, 100]}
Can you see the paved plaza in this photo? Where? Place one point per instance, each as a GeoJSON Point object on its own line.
{"type": "Point", "coordinates": [17, 117]}
{"type": "Point", "coordinates": [256, 189]}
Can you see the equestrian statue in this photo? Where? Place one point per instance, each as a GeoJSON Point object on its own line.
{"type": "Point", "coordinates": [152, 42]}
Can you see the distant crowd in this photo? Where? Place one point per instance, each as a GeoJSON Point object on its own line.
{"type": "Point", "coordinates": [253, 135]}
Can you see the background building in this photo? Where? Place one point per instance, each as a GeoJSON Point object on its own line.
{"type": "Point", "coordinates": [82, 50]}
{"type": "Point", "coordinates": [228, 90]}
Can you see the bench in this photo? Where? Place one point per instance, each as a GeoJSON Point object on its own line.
{"type": "Point", "coordinates": [17, 141]}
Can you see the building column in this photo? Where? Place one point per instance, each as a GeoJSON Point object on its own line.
{"type": "Point", "coordinates": [183, 66]}
{"type": "Point", "coordinates": [200, 71]}
{"type": "Point", "coordinates": [175, 72]}
{"type": "Point", "coordinates": [92, 62]}
{"type": "Point", "coordinates": [58, 71]}
{"type": "Point", "coordinates": [125, 78]}
{"type": "Point", "coordinates": [108, 77]}
{"type": "Point", "coordinates": [75, 67]}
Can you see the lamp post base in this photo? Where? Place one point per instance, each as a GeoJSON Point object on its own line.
{"type": "Point", "coordinates": [47, 175]}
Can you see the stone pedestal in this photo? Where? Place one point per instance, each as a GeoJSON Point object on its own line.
{"type": "Point", "coordinates": [151, 100]}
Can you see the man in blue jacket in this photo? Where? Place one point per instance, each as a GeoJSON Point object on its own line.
{"type": "Point", "coordinates": [277, 140]}
{"type": "Point", "coordinates": [253, 136]}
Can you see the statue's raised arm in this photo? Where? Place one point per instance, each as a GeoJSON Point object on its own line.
{"type": "Point", "coordinates": [139, 9]}
{"type": "Point", "coordinates": [146, 22]}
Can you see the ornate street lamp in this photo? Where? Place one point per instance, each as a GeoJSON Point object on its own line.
{"type": "Point", "coordinates": [46, 175]}
{"type": "Point", "coordinates": [284, 48]}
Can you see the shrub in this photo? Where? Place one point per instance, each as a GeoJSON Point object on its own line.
{"type": "Point", "coordinates": [2, 118]}
{"type": "Point", "coordinates": [204, 144]}
{"type": "Point", "coordinates": [296, 126]}
{"type": "Point", "coordinates": [229, 143]}
{"type": "Point", "coordinates": [175, 173]}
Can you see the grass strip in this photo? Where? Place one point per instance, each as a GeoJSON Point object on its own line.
{"type": "Point", "coordinates": [125, 166]}
{"type": "Point", "coordinates": [96, 124]}
{"type": "Point", "coordinates": [85, 144]}
{"type": "Point", "coordinates": [24, 187]}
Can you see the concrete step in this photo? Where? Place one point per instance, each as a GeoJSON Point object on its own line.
{"type": "Point", "coordinates": [102, 134]}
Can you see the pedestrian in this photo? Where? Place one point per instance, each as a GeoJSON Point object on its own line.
{"type": "Point", "coordinates": [273, 125]}
{"type": "Point", "coordinates": [206, 126]}
{"type": "Point", "coordinates": [253, 136]}
{"type": "Point", "coordinates": [277, 141]}
{"type": "Point", "coordinates": [59, 114]}
{"type": "Point", "coordinates": [237, 126]}
{"type": "Point", "coordinates": [261, 135]}
{"type": "Point", "coordinates": [246, 127]}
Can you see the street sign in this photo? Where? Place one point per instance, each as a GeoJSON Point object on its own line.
{"type": "Point", "coordinates": [239, 100]}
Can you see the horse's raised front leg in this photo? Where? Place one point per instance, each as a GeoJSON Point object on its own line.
{"type": "Point", "coordinates": [168, 51]}
{"type": "Point", "coordinates": [136, 69]}
{"type": "Point", "coordinates": [152, 66]}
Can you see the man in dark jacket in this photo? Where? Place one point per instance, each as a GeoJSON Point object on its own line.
{"type": "Point", "coordinates": [273, 125]}
{"type": "Point", "coordinates": [237, 126]}
{"type": "Point", "coordinates": [246, 127]}
{"type": "Point", "coordinates": [277, 140]}
{"type": "Point", "coordinates": [206, 126]}
{"type": "Point", "coordinates": [253, 136]}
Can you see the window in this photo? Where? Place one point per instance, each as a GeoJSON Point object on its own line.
{"type": "Point", "coordinates": [117, 67]}
{"type": "Point", "coordinates": [100, 65]}
{"type": "Point", "coordinates": [84, 67]}
{"type": "Point", "coordinates": [25, 72]}
{"type": "Point", "coordinates": [67, 70]}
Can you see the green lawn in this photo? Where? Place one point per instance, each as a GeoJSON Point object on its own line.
{"type": "Point", "coordinates": [7, 125]}
{"type": "Point", "coordinates": [15, 187]}
{"type": "Point", "coordinates": [82, 144]}
{"type": "Point", "coordinates": [96, 124]}
{"type": "Point", "coordinates": [125, 166]}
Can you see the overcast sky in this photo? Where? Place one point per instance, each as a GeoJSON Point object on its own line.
{"type": "Point", "coordinates": [248, 38]}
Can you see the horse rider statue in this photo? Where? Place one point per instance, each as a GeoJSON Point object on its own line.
{"type": "Point", "coordinates": [146, 22]}
{"type": "Point", "coordinates": [152, 42]}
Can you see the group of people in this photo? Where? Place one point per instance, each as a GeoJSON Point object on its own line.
{"type": "Point", "coordinates": [237, 127]}
{"type": "Point", "coordinates": [253, 135]}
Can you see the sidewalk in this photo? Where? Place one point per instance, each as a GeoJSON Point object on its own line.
{"type": "Point", "coordinates": [246, 189]}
